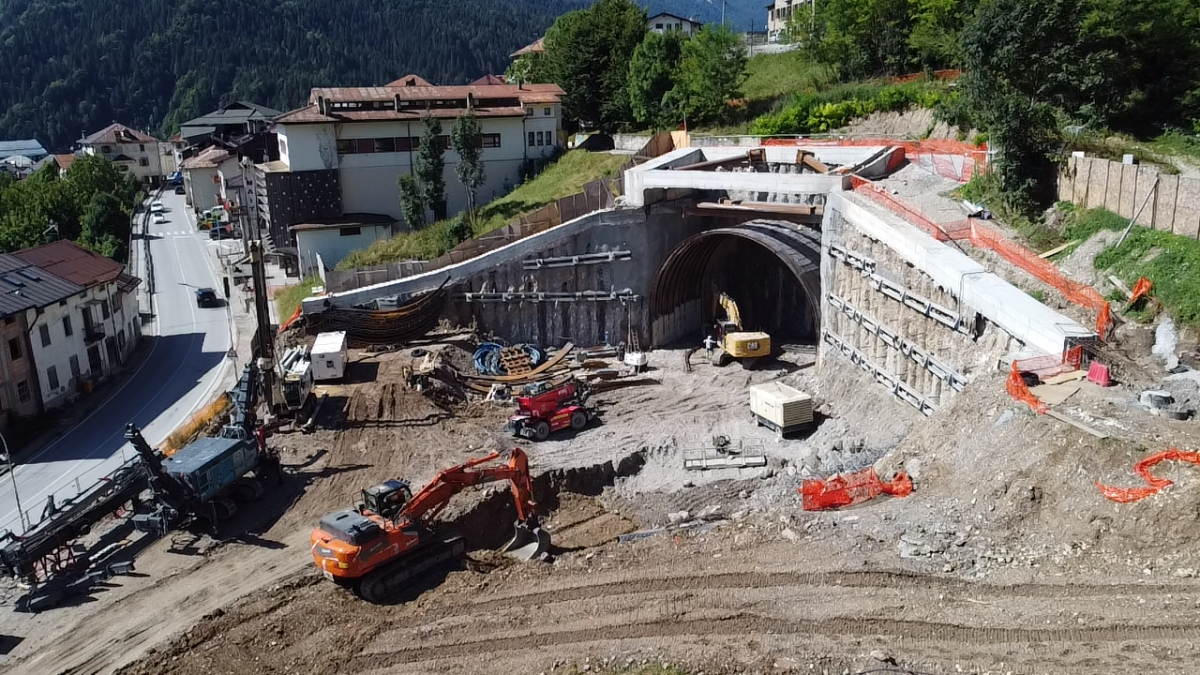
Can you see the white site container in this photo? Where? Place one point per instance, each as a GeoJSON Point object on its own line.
{"type": "Point", "coordinates": [780, 407]}
{"type": "Point", "coordinates": [329, 356]}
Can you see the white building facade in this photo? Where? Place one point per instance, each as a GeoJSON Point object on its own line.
{"type": "Point", "coordinates": [780, 12]}
{"type": "Point", "coordinates": [661, 23]}
{"type": "Point", "coordinates": [370, 136]}
{"type": "Point", "coordinates": [328, 243]}
{"type": "Point", "coordinates": [133, 151]}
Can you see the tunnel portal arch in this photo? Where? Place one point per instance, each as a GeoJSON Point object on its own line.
{"type": "Point", "coordinates": [771, 268]}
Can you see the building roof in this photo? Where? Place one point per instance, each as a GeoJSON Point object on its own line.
{"type": "Point", "coordinates": [379, 103]}
{"type": "Point", "coordinates": [64, 161]}
{"type": "Point", "coordinates": [26, 286]}
{"type": "Point", "coordinates": [345, 220]}
{"type": "Point", "coordinates": [238, 112]}
{"type": "Point", "coordinates": [538, 46]}
{"type": "Point", "coordinates": [70, 261]}
{"type": "Point", "coordinates": [489, 79]}
{"type": "Point", "coordinates": [410, 81]}
{"type": "Point", "coordinates": [117, 133]}
{"type": "Point", "coordinates": [29, 148]}
{"type": "Point", "coordinates": [673, 16]}
{"type": "Point", "coordinates": [209, 158]}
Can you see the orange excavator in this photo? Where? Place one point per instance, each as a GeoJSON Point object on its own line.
{"type": "Point", "coordinates": [390, 538]}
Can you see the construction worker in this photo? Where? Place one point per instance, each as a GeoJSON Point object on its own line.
{"type": "Point", "coordinates": [709, 345]}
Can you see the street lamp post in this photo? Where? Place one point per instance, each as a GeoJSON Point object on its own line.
{"type": "Point", "coordinates": [12, 473]}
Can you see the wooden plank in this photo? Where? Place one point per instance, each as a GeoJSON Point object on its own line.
{"type": "Point", "coordinates": [1120, 286]}
{"type": "Point", "coordinates": [1078, 425]}
{"type": "Point", "coordinates": [1066, 377]}
{"type": "Point", "coordinates": [1058, 249]}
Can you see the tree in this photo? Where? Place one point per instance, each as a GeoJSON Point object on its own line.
{"type": "Point", "coordinates": [412, 204]}
{"type": "Point", "coordinates": [710, 74]}
{"type": "Point", "coordinates": [467, 141]}
{"type": "Point", "coordinates": [431, 167]}
{"type": "Point", "coordinates": [652, 72]}
{"type": "Point", "coordinates": [588, 52]}
{"type": "Point", "coordinates": [1022, 58]}
{"type": "Point", "coordinates": [106, 226]}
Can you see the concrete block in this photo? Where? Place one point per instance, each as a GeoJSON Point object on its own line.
{"type": "Point", "coordinates": [1187, 208]}
{"type": "Point", "coordinates": [1097, 182]}
{"type": "Point", "coordinates": [1164, 203]}
{"type": "Point", "coordinates": [1145, 183]}
{"type": "Point", "coordinates": [1112, 194]}
{"type": "Point", "coordinates": [1128, 199]}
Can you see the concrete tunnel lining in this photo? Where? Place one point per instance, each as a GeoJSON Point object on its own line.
{"type": "Point", "coordinates": [677, 290]}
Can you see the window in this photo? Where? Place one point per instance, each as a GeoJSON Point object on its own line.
{"type": "Point", "coordinates": [74, 367]}
{"type": "Point", "coordinates": [531, 143]}
{"type": "Point", "coordinates": [23, 391]}
{"type": "Point", "coordinates": [142, 147]}
{"type": "Point", "coordinates": [350, 231]}
{"type": "Point", "coordinates": [658, 26]}
{"type": "Point", "coordinates": [385, 145]}
{"type": "Point", "coordinates": [283, 145]}
{"type": "Point", "coordinates": [106, 149]}
{"type": "Point", "coordinates": [346, 146]}
{"type": "Point", "coordinates": [63, 303]}
{"type": "Point", "coordinates": [529, 112]}
{"type": "Point", "coordinates": [52, 376]}
{"type": "Point", "coordinates": [548, 111]}
{"type": "Point", "coordinates": [143, 162]}
{"type": "Point", "coordinates": [8, 320]}
{"type": "Point", "coordinates": [104, 309]}
{"type": "Point", "coordinates": [122, 167]}
{"type": "Point", "coordinates": [67, 326]}
{"type": "Point", "coordinates": [365, 146]}
{"type": "Point", "coordinates": [14, 348]}
{"type": "Point", "coordinates": [45, 332]}
{"type": "Point", "coordinates": [403, 143]}
{"type": "Point", "coordinates": [490, 141]}
{"type": "Point", "coordinates": [541, 138]}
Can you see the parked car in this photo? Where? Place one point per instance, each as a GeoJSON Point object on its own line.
{"type": "Point", "coordinates": [223, 231]}
{"type": "Point", "coordinates": [157, 207]}
{"type": "Point", "coordinates": [159, 219]}
{"type": "Point", "coordinates": [180, 191]}
{"type": "Point", "coordinates": [207, 297]}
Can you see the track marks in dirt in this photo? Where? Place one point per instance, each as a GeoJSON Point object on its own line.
{"type": "Point", "coordinates": [738, 626]}
{"type": "Point", "coordinates": [757, 580]}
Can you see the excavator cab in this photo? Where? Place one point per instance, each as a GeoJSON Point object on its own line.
{"type": "Point", "coordinates": [386, 499]}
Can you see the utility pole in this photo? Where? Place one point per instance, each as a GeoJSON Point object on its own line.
{"type": "Point", "coordinates": [266, 341]}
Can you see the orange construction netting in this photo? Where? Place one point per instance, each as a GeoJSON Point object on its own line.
{"type": "Point", "coordinates": [1140, 290]}
{"type": "Point", "coordinates": [1043, 366]}
{"type": "Point", "coordinates": [1153, 483]}
{"type": "Point", "coordinates": [981, 236]}
{"type": "Point", "coordinates": [819, 494]}
{"type": "Point", "coordinates": [284, 326]}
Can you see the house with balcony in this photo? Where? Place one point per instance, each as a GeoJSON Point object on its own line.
{"type": "Point", "coordinates": [79, 317]}
{"type": "Point", "coordinates": [132, 151]}
{"type": "Point", "coordinates": [780, 12]}
{"type": "Point", "coordinates": [342, 152]}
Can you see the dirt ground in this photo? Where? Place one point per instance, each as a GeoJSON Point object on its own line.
{"type": "Point", "coordinates": [1005, 559]}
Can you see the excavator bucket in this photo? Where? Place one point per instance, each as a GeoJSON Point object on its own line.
{"type": "Point", "coordinates": [527, 543]}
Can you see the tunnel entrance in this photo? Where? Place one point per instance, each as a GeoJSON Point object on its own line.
{"type": "Point", "coordinates": [771, 268]}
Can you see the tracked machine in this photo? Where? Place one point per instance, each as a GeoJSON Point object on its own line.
{"type": "Point", "coordinates": [734, 341]}
{"type": "Point", "coordinates": [390, 537]}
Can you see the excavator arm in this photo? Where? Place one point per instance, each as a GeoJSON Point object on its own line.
{"type": "Point", "coordinates": [426, 504]}
{"type": "Point", "coordinates": [732, 314]}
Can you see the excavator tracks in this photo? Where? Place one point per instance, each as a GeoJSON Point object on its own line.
{"type": "Point", "coordinates": [386, 582]}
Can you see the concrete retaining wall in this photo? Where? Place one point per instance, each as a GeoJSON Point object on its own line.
{"type": "Point", "coordinates": [1173, 205]}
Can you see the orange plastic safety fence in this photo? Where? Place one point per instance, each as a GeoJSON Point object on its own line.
{"type": "Point", "coordinates": [937, 75]}
{"type": "Point", "coordinates": [1153, 483]}
{"type": "Point", "coordinates": [1020, 391]}
{"type": "Point", "coordinates": [1140, 289]}
{"type": "Point", "coordinates": [818, 494]}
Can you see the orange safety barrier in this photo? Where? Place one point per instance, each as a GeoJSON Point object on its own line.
{"type": "Point", "coordinates": [982, 236]}
{"type": "Point", "coordinates": [937, 75]}
{"type": "Point", "coordinates": [1043, 367]}
{"type": "Point", "coordinates": [1153, 483]}
{"type": "Point", "coordinates": [819, 494]}
{"type": "Point", "coordinates": [1140, 290]}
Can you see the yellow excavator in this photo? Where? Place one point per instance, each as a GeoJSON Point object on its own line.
{"type": "Point", "coordinates": [735, 343]}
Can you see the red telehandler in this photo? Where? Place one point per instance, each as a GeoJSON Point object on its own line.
{"type": "Point", "coordinates": [390, 537]}
{"type": "Point", "coordinates": [544, 407]}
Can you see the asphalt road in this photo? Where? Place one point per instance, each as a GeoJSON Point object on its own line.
{"type": "Point", "coordinates": [184, 365]}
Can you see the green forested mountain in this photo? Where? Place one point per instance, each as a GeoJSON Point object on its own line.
{"type": "Point", "coordinates": [70, 66]}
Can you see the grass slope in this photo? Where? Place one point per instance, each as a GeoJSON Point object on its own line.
{"type": "Point", "coordinates": [769, 76]}
{"type": "Point", "coordinates": [565, 177]}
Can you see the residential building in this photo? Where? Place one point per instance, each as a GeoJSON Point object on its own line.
{"type": "Point", "coordinates": [661, 23]}
{"type": "Point", "coordinates": [235, 120]}
{"type": "Point", "coordinates": [780, 12]}
{"type": "Point", "coordinates": [204, 177]}
{"type": "Point", "coordinates": [25, 290]}
{"type": "Point", "coordinates": [84, 336]}
{"type": "Point", "coordinates": [538, 46]}
{"type": "Point", "coordinates": [27, 148]}
{"type": "Point", "coordinates": [342, 153]}
{"type": "Point", "coordinates": [64, 162]}
{"type": "Point", "coordinates": [327, 243]}
{"type": "Point", "coordinates": [133, 151]}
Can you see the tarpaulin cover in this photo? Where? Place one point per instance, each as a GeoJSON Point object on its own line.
{"type": "Point", "coordinates": [1153, 483]}
{"type": "Point", "coordinates": [818, 494]}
